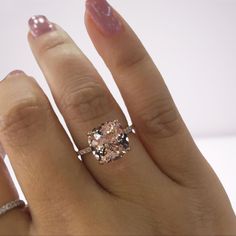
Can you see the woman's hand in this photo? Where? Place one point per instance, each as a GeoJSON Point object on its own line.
{"type": "Point", "coordinates": [163, 186]}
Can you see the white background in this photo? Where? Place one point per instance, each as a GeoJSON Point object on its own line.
{"type": "Point", "coordinates": [192, 42]}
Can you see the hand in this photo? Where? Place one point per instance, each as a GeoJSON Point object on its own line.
{"type": "Point", "coordinates": [162, 186]}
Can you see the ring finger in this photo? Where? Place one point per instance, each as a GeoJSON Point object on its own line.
{"type": "Point", "coordinates": [85, 102]}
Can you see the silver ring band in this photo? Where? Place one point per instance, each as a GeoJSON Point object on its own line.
{"type": "Point", "coordinates": [11, 205]}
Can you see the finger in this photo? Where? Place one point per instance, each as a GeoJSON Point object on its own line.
{"type": "Point", "coordinates": [149, 102]}
{"type": "Point", "coordinates": [41, 153]}
{"type": "Point", "coordinates": [17, 216]}
{"type": "Point", "coordinates": [85, 103]}
{"type": "Point", "coordinates": [8, 191]}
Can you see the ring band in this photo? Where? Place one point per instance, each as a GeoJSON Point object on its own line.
{"type": "Point", "coordinates": [108, 142]}
{"type": "Point", "coordinates": [11, 205]}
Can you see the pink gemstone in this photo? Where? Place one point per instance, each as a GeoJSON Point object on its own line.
{"type": "Point", "coordinates": [108, 142]}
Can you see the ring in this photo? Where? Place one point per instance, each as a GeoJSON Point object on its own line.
{"type": "Point", "coordinates": [11, 205]}
{"type": "Point", "coordinates": [108, 142]}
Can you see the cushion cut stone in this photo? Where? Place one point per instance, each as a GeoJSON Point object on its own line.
{"type": "Point", "coordinates": [108, 142]}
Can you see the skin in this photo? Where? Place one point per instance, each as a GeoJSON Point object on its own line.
{"type": "Point", "coordinates": [163, 186]}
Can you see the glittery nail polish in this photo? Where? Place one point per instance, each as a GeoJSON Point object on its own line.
{"type": "Point", "coordinates": [40, 25]}
{"type": "Point", "coordinates": [103, 16]}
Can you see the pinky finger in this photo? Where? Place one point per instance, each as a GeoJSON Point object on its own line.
{"type": "Point", "coordinates": [16, 221]}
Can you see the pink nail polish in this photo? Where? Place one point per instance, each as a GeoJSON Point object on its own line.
{"type": "Point", "coordinates": [16, 72]}
{"type": "Point", "coordinates": [2, 152]}
{"type": "Point", "coordinates": [40, 25]}
{"type": "Point", "coordinates": [103, 16]}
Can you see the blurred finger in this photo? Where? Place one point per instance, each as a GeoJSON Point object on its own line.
{"type": "Point", "coordinates": [39, 149]}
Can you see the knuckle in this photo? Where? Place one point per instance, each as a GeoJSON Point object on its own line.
{"type": "Point", "coordinates": [85, 101]}
{"type": "Point", "coordinates": [160, 118]}
{"type": "Point", "coordinates": [23, 120]}
{"type": "Point", "coordinates": [54, 41]}
{"type": "Point", "coordinates": [131, 61]}
{"type": "Point", "coordinates": [62, 55]}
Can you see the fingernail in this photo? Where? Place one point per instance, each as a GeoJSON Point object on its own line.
{"type": "Point", "coordinates": [103, 16]}
{"type": "Point", "coordinates": [2, 152]}
{"type": "Point", "coordinates": [16, 72]}
{"type": "Point", "coordinates": [40, 25]}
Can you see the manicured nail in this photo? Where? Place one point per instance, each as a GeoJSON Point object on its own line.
{"type": "Point", "coordinates": [2, 152]}
{"type": "Point", "coordinates": [40, 25]}
{"type": "Point", "coordinates": [16, 72]}
{"type": "Point", "coordinates": [103, 16]}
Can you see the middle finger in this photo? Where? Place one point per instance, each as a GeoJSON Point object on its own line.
{"type": "Point", "coordinates": [85, 103]}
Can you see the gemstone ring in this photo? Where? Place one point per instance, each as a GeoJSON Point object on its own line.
{"type": "Point", "coordinates": [108, 142]}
